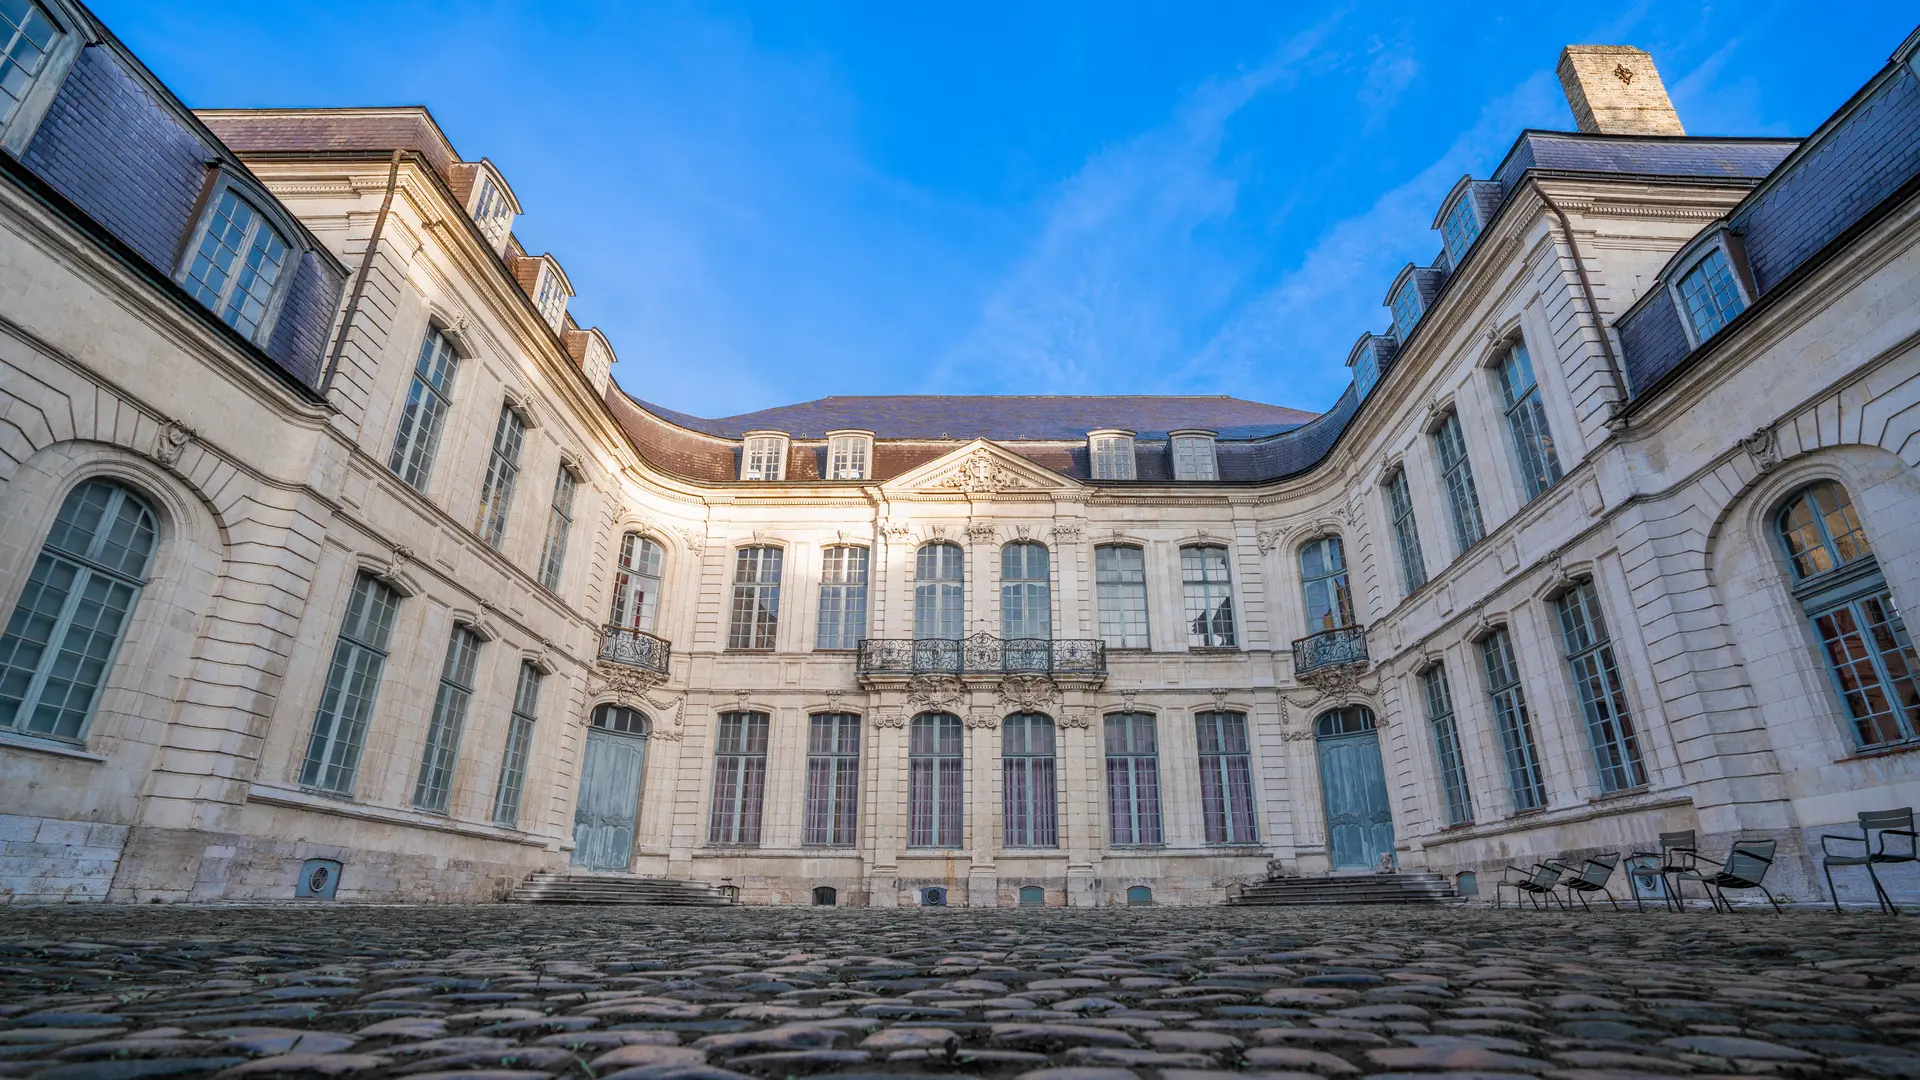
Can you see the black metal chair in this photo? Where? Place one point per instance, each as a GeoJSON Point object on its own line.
{"type": "Point", "coordinates": [1746, 867]}
{"type": "Point", "coordinates": [1540, 881]}
{"type": "Point", "coordinates": [1679, 860]}
{"type": "Point", "coordinates": [1592, 877]}
{"type": "Point", "coordinates": [1887, 823]}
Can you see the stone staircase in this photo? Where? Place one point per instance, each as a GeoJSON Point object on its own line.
{"type": "Point", "coordinates": [1404, 888]}
{"type": "Point", "coordinates": [549, 887]}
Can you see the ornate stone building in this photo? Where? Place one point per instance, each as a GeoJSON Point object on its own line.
{"type": "Point", "coordinates": [325, 534]}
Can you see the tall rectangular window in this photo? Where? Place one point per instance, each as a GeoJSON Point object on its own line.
{"type": "Point", "coordinates": [552, 297]}
{"type": "Point", "coordinates": [636, 583]}
{"type": "Point", "coordinates": [833, 779]}
{"type": "Point", "coordinates": [492, 212]}
{"type": "Point", "coordinates": [1209, 597]}
{"type": "Point", "coordinates": [26, 37]}
{"type": "Point", "coordinates": [843, 598]}
{"type": "Point", "coordinates": [353, 682]}
{"type": "Point", "coordinates": [1446, 745]}
{"type": "Point", "coordinates": [763, 457]}
{"type": "Point", "coordinates": [425, 412]}
{"type": "Point", "coordinates": [553, 554]}
{"type": "Point", "coordinates": [1026, 591]}
{"type": "Point", "coordinates": [1710, 295]}
{"type": "Point", "coordinates": [1525, 781]}
{"type": "Point", "coordinates": [847, 458]}
{"type": "Point", "coordinates": [1133, 781]}
{"type": "Point", "coordinates": [503, 470]}
{"type": "Point", "coordinates": [1120, 586]}
{"type": "Point", "coordinates": [1596, 682]}
{"type": "Point", "coordinates": [236, 263]}
{"type": "Point", "coordinates": [1112, 457]}
{"type": "Point", "coordinates": [1193, 458]}
{"type": "Point", "coordinates": [1406, 309]}
{"type": "Point", "coordinates": [1463, 502]}
{"type": "Point", "coordinates": [739, 778]}
{"type": "Point", "coordinates": [1324, 585]}
{"type": "Point", "coordinates": [1030, 811]}
{"type": "Point", "coordinates": [434, 789]}
{"type": "Point", "coordinates": [1226, 778]}
{"type": "Point", "coordinates": [936, 781]}
{"type": "Point", "coordinates": [939, 591]}
{"type": "Point", "coordinates": [513, 764]}
{"type": "Point", "coordinates": [1527, 422]}
{"type": "Point", "coordinates": [1406, 532]}
{"type": "Point", "coordinates": [756, 598]}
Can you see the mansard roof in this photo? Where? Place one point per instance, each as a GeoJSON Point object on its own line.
{"type": "Point", "coordinates": [1010, 418]}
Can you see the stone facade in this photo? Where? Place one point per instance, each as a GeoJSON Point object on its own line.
{"type": "Point", "coordinates": [276, 492]}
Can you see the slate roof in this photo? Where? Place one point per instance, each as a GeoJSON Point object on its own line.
{"type": "Point", "coordinates": [1641, 155]}
{"type": "Point", "coordinates": [1029, 418]}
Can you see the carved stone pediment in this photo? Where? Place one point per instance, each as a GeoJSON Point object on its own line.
{"type": "Point", "coordinates": [1028, 693]}
{"type": "Point", "coordinates": [977, 468]}
{"type": "Point", "coordinates": [935, 692]}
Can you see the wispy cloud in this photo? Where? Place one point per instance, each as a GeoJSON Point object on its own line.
{"type": "Point", "coordinates": [1117, 272]}
{"type": "Point", "coordinates": [1292, 340]}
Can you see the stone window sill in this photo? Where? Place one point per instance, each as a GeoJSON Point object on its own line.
{"type": "Point", "coordinates": [50, 747]}
{"type": "Point", "coordinates": [1879, 752]}
{"type": "Point", "coordinates": [1616, 796]}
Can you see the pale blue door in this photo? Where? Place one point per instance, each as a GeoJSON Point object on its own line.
{"type": "Point", "coordinates": [1359, 824]}
{"type": "Point", "coordinates": [603, 819]}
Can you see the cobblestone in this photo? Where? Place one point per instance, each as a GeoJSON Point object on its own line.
{"type": "Point", "coordinates": [753, 994]}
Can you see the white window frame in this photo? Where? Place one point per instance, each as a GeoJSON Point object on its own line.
{"type": "Point", "coordinates": [849, 455]}
{"type": "Point", "coordinates": [550, 295]}
{"type": "Point", "coordinates": [17, 129]}
{"type": "Point", "coordinates": [1110, 455]}
{"type": "Point", "coordinates": [267, 214]}
{"type": "Point", "coordinates": [1201, 462]}
{"type": "Point", "coordinates": [1730, 248]}
{"type": "Point", "coordinates": [494, 206]}
{"type": "Point", "coordinates": [761, 452]}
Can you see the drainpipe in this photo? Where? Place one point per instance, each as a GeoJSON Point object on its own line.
{"type": "Point", "coordinates": [1615, 418]}
{"type": "Point", "coordinates": [360, 276]}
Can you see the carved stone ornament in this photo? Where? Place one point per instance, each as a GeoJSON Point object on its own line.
{"type": "Point", "coordinates": [895, 721]}
{"type": "Point", "coordinates": [833, 700]}
{"type": "Point", "coordinates": [1337, 685]}
{"type": "Point", "coordinates": [631, 686]}
{"type": "Point", "coordinates": [1268, 539]}
{"type": "Point", "coordinates": [1028, 693]}
{"type": "Point", "coordinates": [982, 532]}
{"type": "Point", "coordinates": [402, 555]}
{"type": "Point", "coordinates": [1126, 701]}
{"type": "Point", "coordinates": [895, 530]}
{"type": "Point", "coordinates": [696, 538]}
{"type": "Point", "coordinates": [1023, 532]}
{"type": "Point", "coordinates": [935, 692]}
{"type": "Point", "coordinates": [1076, 720]}
{"type": "Point", "coordinates": [740, 700]}
{"type": "Point", "coordinates": [1069, 533]}
{"type": "Point", "coordinates": [982, 720]}
{"type": "Point", "coordinates": [1219, 696]}
{"type": "Point", "coordinates": [172, 442]}
{"type": "Point", "coordinates": [759, 536]}
{"type": "Point", "coordinates": [1763, 448]}
{"type": "Point", "coordinates": [982, 471]}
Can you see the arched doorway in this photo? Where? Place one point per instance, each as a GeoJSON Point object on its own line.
{"type": "Point", "coordinates": [609, 804]}
{"type": "Point", "coordinates": [1354, 789]}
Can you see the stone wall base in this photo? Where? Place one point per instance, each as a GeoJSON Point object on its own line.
{"type": "Point", "coordinates": [51, 861]}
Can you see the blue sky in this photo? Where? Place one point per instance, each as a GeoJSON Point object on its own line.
{"type": "Point", "coordinates": [767, 204]}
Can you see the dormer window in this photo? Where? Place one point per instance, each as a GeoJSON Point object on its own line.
{"type": "Point", "coordinates": [1406, 309]}
{"type": "Point", "coordinates": [492, 212]}
{"type": "Point", "coordinates": [1193, 456]}
{"type": "Point", "coordinates": [551, 298]}
{"type": "Point", "coordinates": [1460, 228]}
{"type": "Point", "coordinates": [1112, 454]}
{"type": "Point", "coordinates": [26, 39]}
{"type": "Point", "coordinates": [235, 262]}
{"type": "Point", "coordinates": [1710, 294]}
{"type": "Point", "coordinates": [763, 456]}
{"type": "Point", "coordinates": [849, 454]}
{"type": "Point", "coordinates": [1366, 372]}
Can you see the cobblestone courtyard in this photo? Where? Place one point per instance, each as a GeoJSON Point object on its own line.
{"type": "Point", "coordinates": [1108, 995]}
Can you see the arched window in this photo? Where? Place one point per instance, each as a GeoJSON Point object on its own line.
{"type": "Point", "coordinates": [72, 614]}
{"type": "Point", "coordinates": [939, 591]}
{"type": "Point", "coordinates": [621, 720]}
{"type": "Point", "coordinates": [1352, 720]}
{"type": "Point", "coordinates": [825, 896]}
{"type": "Point", "coordinates": [936, 773]}
{"type": "Point", "coordinates": [636, 584]}
{"type": "Point", "coordinates": [1323, 576]}
{"type": "Point", "coordinates": [1026, 595]}
{"type": "Point", "coordinates": [1026, 751]}
{"type": "Point", "coordinates": [1139, 895]}
{"type": "Point", "coordinates": [1209, 596]}
{"type": "Point", "coordinates": [1840, 587]}
{"type": "Point", "coordinates": [1133, 780]}
{"type": "Point", "coordinates": [1033, 896]}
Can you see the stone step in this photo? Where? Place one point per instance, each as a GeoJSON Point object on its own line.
{"type": "Point", "coordinates": [548, 887]}
{"type": "Point", "coordinates": [1397, 888]}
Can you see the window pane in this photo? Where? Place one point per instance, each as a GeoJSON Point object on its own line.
{"type": "Point", "coordinates": [1027, 759]}
{"type": "Point", "coordinates": [1463, 502]}
{"type": "Point", "coordinates": [1120, 583]}
{"type": "Point", "coordinates": [1446, 746]}
{"type": "Point", "coordinates": [26, 36]}
{"type": "Point", "coordinates": [1874, 667]}
{"type": "Point", "coordinates": [843, 598]}
{"type": "Point", "coordinates": [1525, 780]}
{"type": "Point", "coordinates": [935, 774]}
{"type": "Point", "coordinates": [424, 412]}
{"type": "Point", "coordinates": [939, 600]}
{"type": "Point", "coordinates": [1226, 778]}
{"type": "Point", "coordinates": [435, 786]}
{"type": "Point", "coordinates": [1323, 573]}
{"type": "Point", "coordinates": [1208, 596]}
{"type": "Point", "coordinates": [513, 764]}
{"type": "Point", "coordinates": [553, 556]}
{"type": "Point", "coordinates": [353, 681]}
{"type": "Point", "coordinates": [503, 470]}
{"type": "Point", "coordinates": [1527, 422]}
{"type": "Point", "coordinates": [236, 263]}
{"type": "Point", "coordinates": [1406, 535]}
{"type": "Point", "coordinates": [1133, 780]}
{"type": "Point", "coordinates": [1026, 598]}
{"type": "Point", "coordinates": [739, 778]}
{"type": "Point", "coordinates": [1193, 458]}
{"type": "Point", "coordinates": [833, 772]}
{"type": "Point", "coordinates": [1596, 680]}
{"type": "Point", "coordinates": [1709, 294]}
{"type": "Point", "coordinates": [756, 598]}
{"type": "Point", "coordinates": [636, 583]}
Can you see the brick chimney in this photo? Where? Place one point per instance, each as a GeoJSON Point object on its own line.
{"type": "Point", "coordinates": [1616, 90]}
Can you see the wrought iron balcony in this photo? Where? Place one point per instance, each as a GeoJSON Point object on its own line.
{"type": "Point", "coordinates": [635, 648]}
{"type": "Point", "coordinates": [1330, 648]}
{"type": "Point", "coordinates": [983, 654]}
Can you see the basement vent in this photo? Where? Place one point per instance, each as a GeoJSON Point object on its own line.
{"type": "Point", "coordinates": [933, 897]}
{"type": "Point", "coordinates": [319, 878]}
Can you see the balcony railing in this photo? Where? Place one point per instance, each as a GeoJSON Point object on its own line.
{"type": "Point", "coordinates": [1330, 648]}
{"type": "Point", "coordinates": [983, 654]}
{"type": "Point", "coordinates": [635, 648]}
